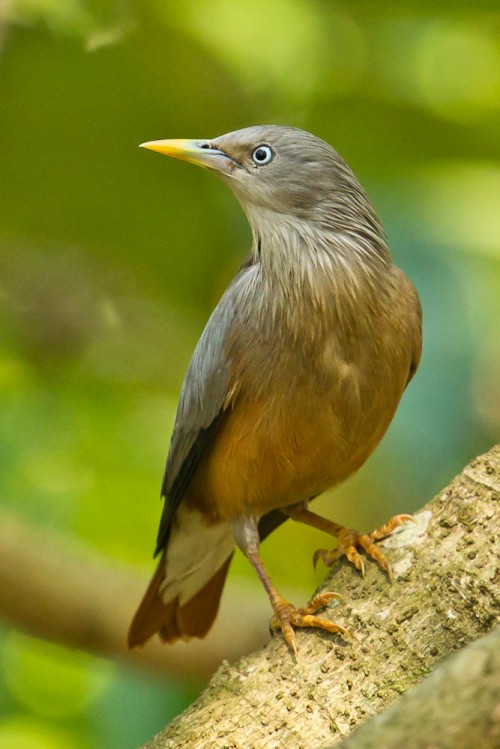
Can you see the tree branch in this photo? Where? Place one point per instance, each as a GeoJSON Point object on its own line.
{"type": "Point", "coordinates": [443, 599]}
{"type": "Point", "coordinates": [456, 707]}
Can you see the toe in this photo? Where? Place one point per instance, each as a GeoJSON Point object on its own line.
{"type": "Point", "coordinates": [327, 556]}
{"type": "Point", "coordinates": [391, 525]}
{"type": "Point", "coordinates": [287, 617]}
{"type": "Point", "coordinates": [355, 558]}
{"type": "Point", "coordinates": [325, 624]}
{"type": "Point", "coordinates": [320, 601]}
{"type": "Point", "coordinates": [290, 636]}
{"type": "Point", "coordinates": [374, 553]}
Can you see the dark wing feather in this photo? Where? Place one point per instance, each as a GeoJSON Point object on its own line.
{"type": "Point", "coordinates": [269, 522]}
{"type": "Point", "coordinates": [201, 405]}
{"type": "Point", "coordinates": [182, 480]}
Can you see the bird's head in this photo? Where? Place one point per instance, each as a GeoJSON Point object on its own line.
{"type": "Point", "coordinates": [290, 184]}
{"type": "Point", "coordinates": [282, 170]}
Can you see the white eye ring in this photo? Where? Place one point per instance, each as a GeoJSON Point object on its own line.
{"type": "Point", "coordinates": [262, 155]}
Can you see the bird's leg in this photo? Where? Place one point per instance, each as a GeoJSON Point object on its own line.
{"type": "Point", "coordinates": [286, 615]}
{"type": "Point", "coordinates": [349, 540]}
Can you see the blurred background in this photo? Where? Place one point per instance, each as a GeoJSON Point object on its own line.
{"type": "Point", "coordinates": [112, 258]}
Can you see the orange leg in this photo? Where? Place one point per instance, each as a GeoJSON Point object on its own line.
{"type": "Point", "coordinates": [349, 540]}
{"type": "Point", "coordinates": [286, 615]}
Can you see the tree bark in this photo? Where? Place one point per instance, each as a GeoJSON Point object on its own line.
{"type": "Point", "coordinates": [456, 707]}
{"type": "Point", "coordinates": [445, 595]}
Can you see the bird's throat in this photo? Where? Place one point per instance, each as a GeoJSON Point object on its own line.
{"type": "Point", "coordinates": [303, 265]}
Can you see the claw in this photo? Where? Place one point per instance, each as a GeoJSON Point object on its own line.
{"type": "Point", "coordinates": [287, 617]}
{"type": "Point", "coordinates": [350, 540]}
{"type": "Point", "coordinates": [361, 567]}
{"type": "Point", "coordinates": [314, 621]}
{"type": "Point", "coordinates": [290, 637]}
{"type": "Point", "coordinates": [321, 600]}
{"type": "Point", "coordinates": [320, 554]}
{"type": "Point", "coordinates": [391, 525]}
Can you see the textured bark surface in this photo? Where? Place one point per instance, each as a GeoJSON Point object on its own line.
{"type": "Point", "coordinates": [456, 707]}
{"type": "Point", "coordinates": [445, 595]}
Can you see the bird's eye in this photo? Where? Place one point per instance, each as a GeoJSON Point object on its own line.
{"type": "Point", "coordinates": [262, 155]}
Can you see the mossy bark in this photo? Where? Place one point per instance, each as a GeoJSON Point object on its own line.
{"type": "Point", "coordinates": [444, 597]}
{"type": "Point", "coordinates": [456, 707]}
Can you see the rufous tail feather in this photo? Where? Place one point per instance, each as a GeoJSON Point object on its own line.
{"type": "Point", "coordinates": [171, 620]}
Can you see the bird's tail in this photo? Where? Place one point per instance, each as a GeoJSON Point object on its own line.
{"type": "Point", "coordinates": [172, 620]}
{"type": "Point", "coordinates": [183, 596]}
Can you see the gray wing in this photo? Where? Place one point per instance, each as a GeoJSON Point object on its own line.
{"type": "Point", "coordinates": [201, 405]}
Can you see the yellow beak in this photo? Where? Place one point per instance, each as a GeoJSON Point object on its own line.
{"type": "Point", "coordinates": [198, 152]}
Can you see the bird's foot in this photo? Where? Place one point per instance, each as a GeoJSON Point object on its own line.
{"type": "Point", "coordinates": [287, 617]}
{"type": "Point", "coordinates": [349, 541]}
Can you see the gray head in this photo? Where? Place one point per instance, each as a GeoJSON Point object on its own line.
{"type": "Point", "coordinates": [283, 175]}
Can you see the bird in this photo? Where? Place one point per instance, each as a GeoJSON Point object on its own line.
{"type": "Point", "coordinates": [294, 380]}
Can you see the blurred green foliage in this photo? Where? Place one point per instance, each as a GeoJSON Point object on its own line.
{"type": "Point", "coordinates": [111, 261]}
